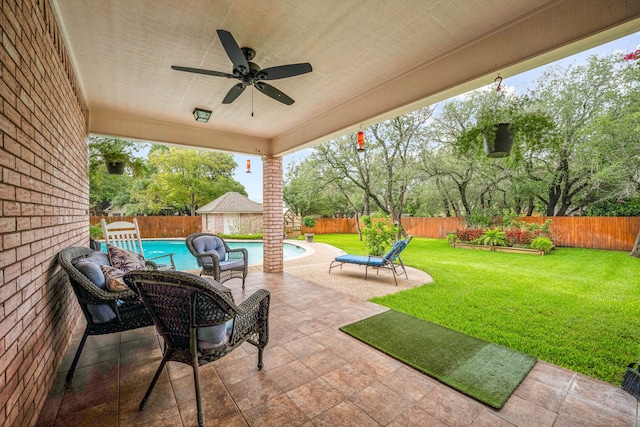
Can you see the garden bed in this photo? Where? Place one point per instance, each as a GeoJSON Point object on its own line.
{"type": "Point", "coordinates": [498, 248]}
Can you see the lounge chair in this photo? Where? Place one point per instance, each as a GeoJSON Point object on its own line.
{"type": "Point", "coordinates": [199, 320]}
{"type": "Point", "coordinates": [391, 260]}
{"type": "Point", "coordinates": [126, 235]}
{"type": "Point", "coordinates": [216, 258]}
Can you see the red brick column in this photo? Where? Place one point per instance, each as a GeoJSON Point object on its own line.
{"type": "Point", "coordinates": [273, 219]}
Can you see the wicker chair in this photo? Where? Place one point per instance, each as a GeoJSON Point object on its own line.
{"type": "Point", "coordinates": [216, 258]}
{"type": "Point", "coordinates": [106, 312]}
{"type": "Point", "coordinates": [186, 307]}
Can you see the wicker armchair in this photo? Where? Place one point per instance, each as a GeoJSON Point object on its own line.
{"type": "Point", "coordinates": [106, 312]}
{"type": "Point", "coordinates": [186, 310]}
{"type": "Point", "coordinates": [216, 258]}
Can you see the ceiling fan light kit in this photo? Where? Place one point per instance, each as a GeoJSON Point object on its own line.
{"type": "Point", "coordinates": [201, 115]}
{"type": "Point", "coordinates": [249, 73]}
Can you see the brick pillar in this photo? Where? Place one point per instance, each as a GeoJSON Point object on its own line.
{"type": "Point", "coordinates": [273, 219]}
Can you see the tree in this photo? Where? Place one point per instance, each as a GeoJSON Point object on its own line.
{"type": "Point", "coordinates": [185, 179]}
{"type": "Point", "coordinates": [106, 189]}
{"type": "Point", "coordinates": [385, 172]}
{"type": "Point", "coordinates": [574, 167]}
{"type": "Point", "coordinates": [304, 191]}
{"type": "Point", "coordinates": [453, 160]}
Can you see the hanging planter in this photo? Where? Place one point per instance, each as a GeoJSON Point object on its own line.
{"type": "Point", "coordinates": [501, 144]}
{"type": "Point", "coordinates": [116, 154]}
{"type": "Point", "coordinates": [115, 168]}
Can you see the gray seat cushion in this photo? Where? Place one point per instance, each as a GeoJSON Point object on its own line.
{"type": "Point", "coordinates": [228, 265]}
{"type": "Point", "coordinates": [210, 337]}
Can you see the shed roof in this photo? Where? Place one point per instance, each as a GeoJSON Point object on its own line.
{"type": "Point", "coordinates": [231, 202]}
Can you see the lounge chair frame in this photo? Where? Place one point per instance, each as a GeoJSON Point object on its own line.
{"type": "Point", "coordinates": [390, 261]}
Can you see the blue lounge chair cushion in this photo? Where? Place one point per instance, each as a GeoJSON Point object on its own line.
{"type": "Point", "coordinates": [353, 259]}
{"type": "Point", "coordinates": [361, 259]}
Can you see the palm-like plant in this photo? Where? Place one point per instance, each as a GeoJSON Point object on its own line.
{"type": "Point", "coordinates": [492, 237]}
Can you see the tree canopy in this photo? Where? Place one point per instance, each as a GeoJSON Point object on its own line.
{"type": "Point", "coordinates": [576, 146]}
{"type": "Point", "coordinates": [170, 180]}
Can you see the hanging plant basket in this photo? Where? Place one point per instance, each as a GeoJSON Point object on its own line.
{"type": "Point", "coordinates": [115, 168]}
{"type": "Point", "coordinates": [502, 144]}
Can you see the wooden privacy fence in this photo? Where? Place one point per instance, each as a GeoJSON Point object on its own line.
{"type": "Point", "coordinates": [613, 233]}
{"type": "Point", "coordinates": [595, 232]}
{"type": "Point", "coordinates": [159, 226]}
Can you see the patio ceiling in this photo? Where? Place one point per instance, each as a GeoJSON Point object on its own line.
{"type": "Point", "coordinates": [371, 60]}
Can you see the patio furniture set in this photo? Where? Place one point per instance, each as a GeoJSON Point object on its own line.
{"type": "Point", "coordinates": [196, 316]}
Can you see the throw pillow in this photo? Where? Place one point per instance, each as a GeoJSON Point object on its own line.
{"type": "Point", "coordinates": [113, 278]}
{"type": "Point", "coordinates": [89, 266]}
{"type": "Point", "coordinates": [125, 260]}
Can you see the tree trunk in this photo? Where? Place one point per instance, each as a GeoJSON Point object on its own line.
{"type": "Point", "coordinates": [358, 226]}
{"type": "Point", "coordinates": [531, 206]}
{"type": "Point", "coordinates": [635, 252]}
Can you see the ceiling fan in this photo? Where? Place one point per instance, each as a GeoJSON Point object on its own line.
{"type": "Point", "coordinates": [249, 73]}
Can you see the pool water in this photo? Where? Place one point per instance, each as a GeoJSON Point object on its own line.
{"type": "Point", "coordinates": [185, 261]}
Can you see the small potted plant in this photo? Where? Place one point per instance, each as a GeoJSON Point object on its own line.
{"type": "Point", "coordinates": [309, 222]}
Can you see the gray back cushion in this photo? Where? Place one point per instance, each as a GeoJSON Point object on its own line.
{"type": "Point", "coordinates": [90, 267]}
{"type": "Point", "coordinates": [208, 245]}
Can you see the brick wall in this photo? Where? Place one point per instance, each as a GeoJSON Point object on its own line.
{"type": "Point", "coordinates": [273, 221]}
{"type": "Point", "coordinates": [43, 200]}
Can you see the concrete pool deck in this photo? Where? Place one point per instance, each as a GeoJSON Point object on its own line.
{"type": "Point", "coordinates": [314, 266]}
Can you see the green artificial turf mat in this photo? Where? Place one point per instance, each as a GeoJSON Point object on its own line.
{"type": "Point", "coordinates": [487, 372]}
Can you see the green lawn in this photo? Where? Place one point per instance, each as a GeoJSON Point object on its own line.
{"type": "Point", "coordinates": [577, 308]}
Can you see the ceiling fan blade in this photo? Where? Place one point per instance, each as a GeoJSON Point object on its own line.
{"type": "Point", "coordinates": [233, 93]}
{"type": "Point", "coordinates": [284, 71]}
{"type": "Point", "coordinates": [201, 71]}
{"type": "Point", "coordinates": [274, 93]}
{"type": "Point", "coordinates": [233, 51]}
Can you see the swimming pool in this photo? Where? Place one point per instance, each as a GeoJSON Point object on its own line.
{"type": "Point", "coordinates": [185, 261]}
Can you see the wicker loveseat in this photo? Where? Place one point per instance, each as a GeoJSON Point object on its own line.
{"type": "Point", "coordinates": [105, 311]}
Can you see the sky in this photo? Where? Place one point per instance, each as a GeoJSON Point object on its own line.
{"type": "Point", "coordinates": [253, 181]}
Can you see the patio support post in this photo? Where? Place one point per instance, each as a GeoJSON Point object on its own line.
{"type": "Point", "coordinates": [273, 220]}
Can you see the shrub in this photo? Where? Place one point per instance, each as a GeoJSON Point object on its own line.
{"type": "Point", "coordinates": [241, 236]}
{"type": "Point", "coordinates": [518, 237]}
{"type": "Point", "coordinates": [452, 238]}
{"type": "Point", "coordinates": [95, 231]}
{"type": "Point", "coordinates": [468, 235]}
{"type": "Point", "coordinates": [309, 221]}
{"type": "Point", "coordinates": [542, 244]}
{"type": "Point", "coordinates": [378, 232]}
{"type": "Point", "coordinates": [478, 219]}
{"type": "Point", "coordinates": [492, 237]}
{"type": "Point", "coordinates": [510, 218]}
{"type": "Point", "coordinates": [537, 229]}
{"type": "Point", "coordinates": [615, 207]}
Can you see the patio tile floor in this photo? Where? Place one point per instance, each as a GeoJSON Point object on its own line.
{"type": "Point", "coordinates": [314, 375]}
